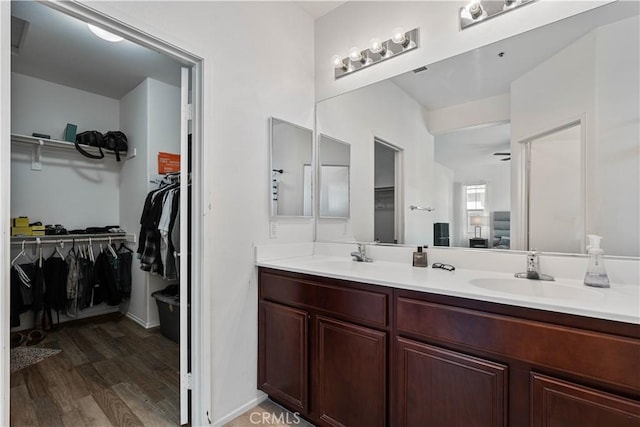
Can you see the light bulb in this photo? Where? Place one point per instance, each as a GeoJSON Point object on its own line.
{"type": "Point", "coordinates": [105, 35]}
{"type": "Point", "coordinates": [336, 60]}
{"type": "Point", "coordinates": [354, 54]}
{"type": "Point", "coordinates": [375, 45]}
{"type": "Point", "coordinates": [397, 35]}
{"type": "Point", "coordinates": [475, 10]}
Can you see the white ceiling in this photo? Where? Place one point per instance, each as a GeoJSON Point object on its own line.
{"type": "Point", "coordinates": [61, 49]}
{"type": "Point", "coordinates": [319, 8]}
{"type": "Point", "coordinates": [473, 147]}
{"type": "Point", "coordinates": [482, 73]}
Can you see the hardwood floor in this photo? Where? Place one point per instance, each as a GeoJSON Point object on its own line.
{"type": "Point", "coordinates": [111, 372]}
{"type": "Point", "coordinates": [270, 414]}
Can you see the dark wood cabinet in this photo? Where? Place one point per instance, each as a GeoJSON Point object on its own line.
{"type": "Point", "coordinates": [352, 366]}
{"type": "Point", "coordinates": [438, 387]}
{"type": "Point", "coordinates": [557, 403]}
{"type": "Point", "coordinates": [350, 354]}
{"type": "Point", "coordinates": [283, 358]}
{"type": "Point", "coordinates": [323, 348]}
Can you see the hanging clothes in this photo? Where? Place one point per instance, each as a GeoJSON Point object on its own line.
{"type": "Point", "coordinates": [55, 271]}
{"type": "Point", "coordinates": [105, 280]}
{"type": "Point", "coordinates": [21, 297]}
{"type": "Point", "coordinates": [154, 248]}
{"type": "Point", "coordinates": [85, 281]}
{"type": "Point", "coordinates": [125, 258]}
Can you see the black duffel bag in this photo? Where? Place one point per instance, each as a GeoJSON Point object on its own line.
{"type": "Point", "coordinates": [91, 138]}
{"type": "Point", "coordinates": [116, 141]}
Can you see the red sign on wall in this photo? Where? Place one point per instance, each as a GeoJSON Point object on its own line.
{"type": "Point", "coordinates": [168, 162]}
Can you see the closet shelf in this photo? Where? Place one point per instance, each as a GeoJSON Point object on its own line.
{"type": "Point", "coordinates": [42, 142]}
{"type": "Point", "coordinates": [70, 238]}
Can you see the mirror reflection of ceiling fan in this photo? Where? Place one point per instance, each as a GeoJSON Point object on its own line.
{"type": "Point", "coordinates": [507, 156]}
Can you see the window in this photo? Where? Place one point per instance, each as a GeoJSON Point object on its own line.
{"type": "Point", "coordinates": [475, 196]}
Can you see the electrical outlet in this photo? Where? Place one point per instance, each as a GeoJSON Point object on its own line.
{"type": "Point", "coordinates": [273, 230]}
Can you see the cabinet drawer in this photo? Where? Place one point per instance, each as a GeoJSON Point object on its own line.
{"type": "Point", "coordinates": [354, 304]}
{"type": "Point", "coordinates": [598, 356]}
{"type": "Point", "coordinates": [557, 403]}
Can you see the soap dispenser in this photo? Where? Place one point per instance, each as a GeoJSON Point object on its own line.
{"type": "Point", "coordinates": [420, 258]}
{"type": "Point", "coordinates": [596, 273]}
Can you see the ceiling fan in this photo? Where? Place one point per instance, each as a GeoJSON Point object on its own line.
{"type": "Point", "coordinates": [508, 156]}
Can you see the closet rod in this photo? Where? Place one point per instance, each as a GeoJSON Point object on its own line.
{"type": "Point", "coordinates": [54, 240]}
{"type": "Point", "coordinates": [40, 142]}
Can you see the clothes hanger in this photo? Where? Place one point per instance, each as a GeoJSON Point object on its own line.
{"type": "Point", "coordinates": [24, 278]}
{"type": "Point", "coordinates": [59, 246]}
{"type": "Point", "coordinates": [110, 247]}
{"type": "Point", "coordinates": [123, 246]}
{"type": "Point", "coordinates": [90, 250]}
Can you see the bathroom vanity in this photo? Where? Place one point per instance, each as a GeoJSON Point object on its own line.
{"type": "Point", "coordinates": [346, 352]}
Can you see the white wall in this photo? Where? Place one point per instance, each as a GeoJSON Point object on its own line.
{"type": "Point", "coordinates": [595, 79]}
{"type": "Point", "coordinates": [134, 179]}
{"type": "Point", "coordinates": [615, 213]}
{"type": "Point", "coordinates": [443, 194]}
{"type": "Point", "coordinates": [44, 107]}
{"type": "Point", "coordinates": [356, 22]}
{"type": "Point", "coordinates": [494, 109]}
{"type": "Point", "coordinates": [497, 178]}
{"type": "Point", "coordinates": [69, 187]}
{"type": "Point", "coordinates": [382, 110]}
{"type": "Point", "coordinates": [264, 69]}
{"type": "Point", "coordinates": [163, 121]}
{"type": "Point", "coordinates": [150, 117]}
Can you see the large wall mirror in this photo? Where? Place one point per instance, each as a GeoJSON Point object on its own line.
{"type": "Point", "coordinates": [291, 186]}
{"type": "Point", "coordinates": [487, 137]}
{"type": "Point", "coordinates": [335, 159]}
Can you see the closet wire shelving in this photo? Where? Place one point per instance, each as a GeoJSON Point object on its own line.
{"type": "Point", "coordinates": [36, 158]}
{"type": "Point", "coordinates": [73, 239]}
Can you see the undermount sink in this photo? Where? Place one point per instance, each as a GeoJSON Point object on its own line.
{"type": "Point", "coordinates": [536, 288]}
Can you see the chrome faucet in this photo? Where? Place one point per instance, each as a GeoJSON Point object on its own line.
{"type": "Point", "coordinates": [361, 254]}
{"type": "Point", "coordinates": [533, 268]}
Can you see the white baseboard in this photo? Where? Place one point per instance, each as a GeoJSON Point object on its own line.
{"type": "Point", "coordinates": [141, 322]}
{"type": "Point", "coordinates": [241, 410]}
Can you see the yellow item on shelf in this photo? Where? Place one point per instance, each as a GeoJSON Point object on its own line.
{"type": "Point", "coordinates": [21, 231]}
{"type": "Point", "coordinates": [21, 221]}
{"type": "Point", "coordinates": [37, 230]}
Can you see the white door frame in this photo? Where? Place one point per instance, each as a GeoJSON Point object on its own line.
{"type": "Point", "coordinates": [200, 339]}
{"type": "Point", "coordinates": [398, 215]}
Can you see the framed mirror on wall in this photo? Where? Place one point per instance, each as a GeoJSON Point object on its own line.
{"type": "Point", "coordinates": [291, 173]}
{"type": "Point", "coordinates": [463, 126]}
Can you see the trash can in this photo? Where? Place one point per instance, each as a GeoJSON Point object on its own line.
{"type": "Point", "coordinates": [169, 311]}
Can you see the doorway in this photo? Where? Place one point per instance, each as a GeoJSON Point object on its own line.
{"type": "Point", "coordinates": [188, 116]}
{"type": "Point", "coordinates": [388, 212]}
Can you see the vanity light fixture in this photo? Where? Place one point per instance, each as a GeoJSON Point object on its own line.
{"type": "Point", "coordinates": [479, 11]}
{"type": "Point", "coordinates": [401, 41]}
{"type": "Point", "coordinates": [338, 62]}
{"type": "Point", "coordinates": [105, 35]}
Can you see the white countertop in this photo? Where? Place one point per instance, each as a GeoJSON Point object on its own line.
{"type": "Point", "coordinates": [619, 303]}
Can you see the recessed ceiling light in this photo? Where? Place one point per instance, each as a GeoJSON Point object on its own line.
{"type": "Point", "coordinates": [105, 35]}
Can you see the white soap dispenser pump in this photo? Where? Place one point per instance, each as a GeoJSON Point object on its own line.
{"type": "Point", "coordinates": [596, 273]}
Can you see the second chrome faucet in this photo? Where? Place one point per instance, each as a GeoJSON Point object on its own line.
{"type": "Point", "coordinates": [361, 254]}
{"type": "Point", "coordinates": [533, 269]}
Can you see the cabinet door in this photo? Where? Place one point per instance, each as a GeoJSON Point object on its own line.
{"type": "Point", "coordinates": [282, 354]}
{"type": "Point", "coordinates": [438, 387]}
{"type": "Point", "coordinates": [351, 362]}
{"type": "Point", "coordinates": [557, 403]}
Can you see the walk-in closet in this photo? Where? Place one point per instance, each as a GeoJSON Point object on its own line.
{"type": "Point", "coordinates": [96, 236]}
